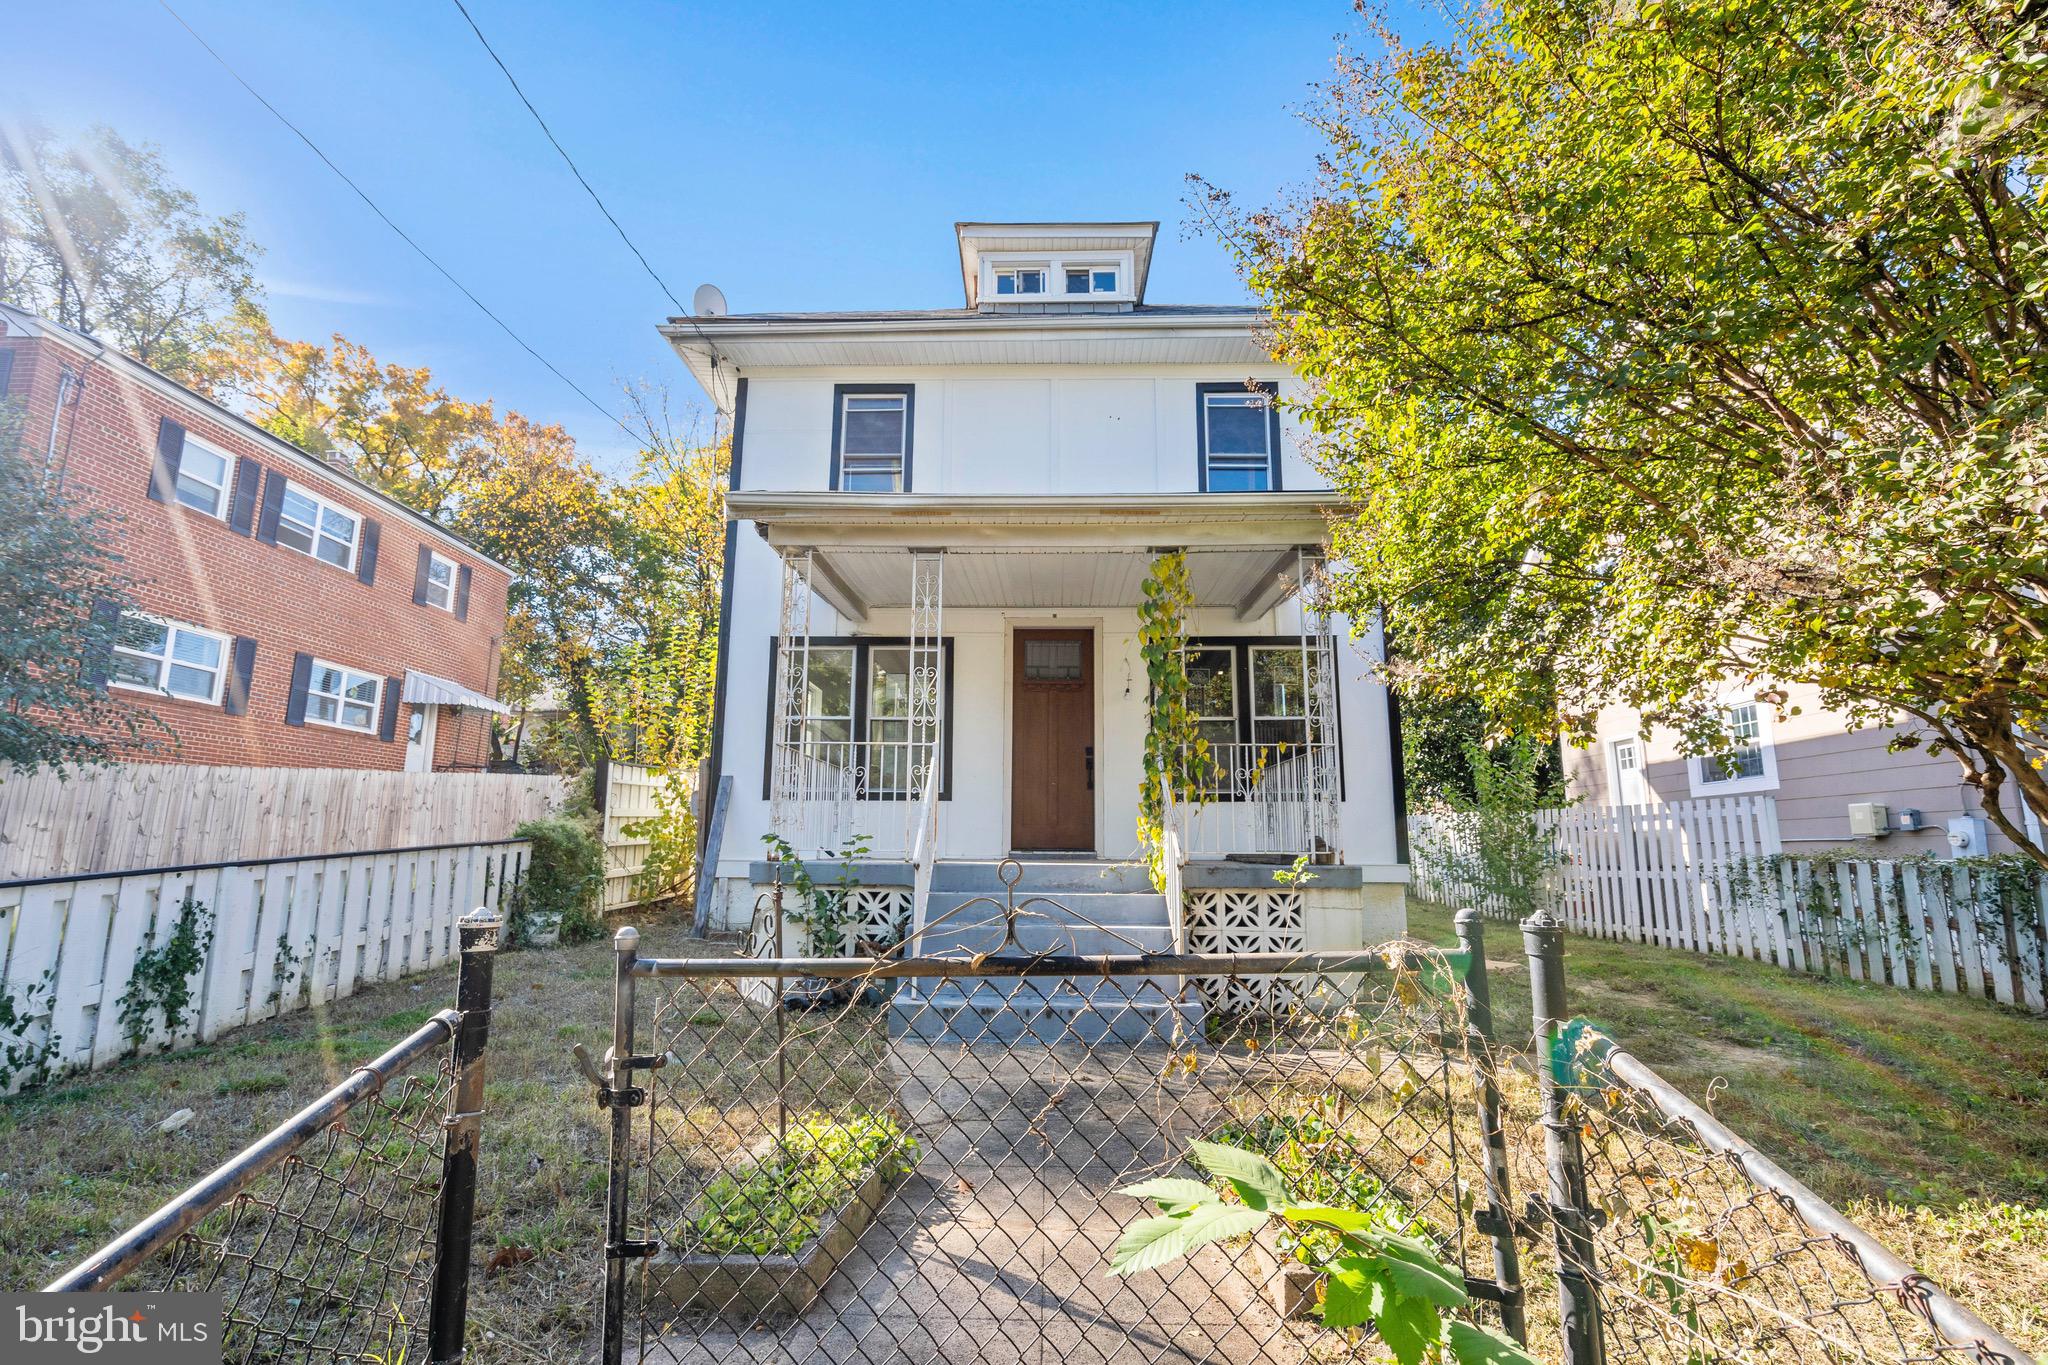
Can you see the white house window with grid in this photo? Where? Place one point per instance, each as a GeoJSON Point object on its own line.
{"type": "Point", "coordinates": [1237, 446]}
{"type": "Point", "coordinates": [1212, 699]}
{"type": "Point", "coordinates": [342, 697]}
{"type": "Point", "coordinates": [1279, 701]}
{"type": "Point", "coordinates": [1090, 279]}
{"type": "Point", "coordinates": [440, 581]}
{"type": "Point", "coordinates": [1020, 279]}
{"type": "Point", "coordinates": [203, 475]}
{"type": "Point", "coordinates": [169, 658]}
{"type": "Point", "coordinates": [873, 432]}
{"type": "Point", "coordinates": [1748, 764]}
{"type": "Point", "coordinates": [312, 525]}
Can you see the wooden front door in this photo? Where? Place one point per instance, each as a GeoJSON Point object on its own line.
{"type": "Point", "coordinates": [1052, 742]}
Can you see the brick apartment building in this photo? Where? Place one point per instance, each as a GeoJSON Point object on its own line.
{"type": "Point", "coordinates": [291, 615]}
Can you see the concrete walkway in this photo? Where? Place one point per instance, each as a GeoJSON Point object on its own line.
{"type": "Point", "coordinates": [997, 1247]}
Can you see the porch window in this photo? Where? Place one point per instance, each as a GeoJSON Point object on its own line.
{"type": "Point", "coordinates": [1212, 697]}
{"type": "Point", "coordinates": [1239, 433]}
{"type": "Point", "coordinates": [1247, 693]}
{"type": "Point", "coordinates": [871, 440]}
{"type": "Point", "coordinates": [857, 714]}
{"type": "Point", "coordinates": [1279, 711]}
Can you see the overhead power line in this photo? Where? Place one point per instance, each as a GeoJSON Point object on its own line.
{"type": "Point", "coordinates": [403, 235]}
{"type": "Point", "coordinates": [569, 161]}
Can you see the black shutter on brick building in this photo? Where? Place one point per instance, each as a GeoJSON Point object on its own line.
{"type": "Point", "coordinates": [242, 506]}
{"type": "Point", "coordinates": [387, 725]}
{"type": "Point", "coordinates": [273, 503]}
{"type": "Point", "coordinates": [366, 558]}
{"type": "Point", "coordinates": [419, 575]}
{"type": "Point", "coordinates": [462, 593]}
{"type": "Point", "coordinates": [99, 663]}
{"type": "Point", "coordinates": [302, 678]}
{"type": "Point", "coordinates": [170, 451]}
{"type": "Point", "coordinates": [236, 699]}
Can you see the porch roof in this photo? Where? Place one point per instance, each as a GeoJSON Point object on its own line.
{"type": "Point", "coordinates": [1026, 551]}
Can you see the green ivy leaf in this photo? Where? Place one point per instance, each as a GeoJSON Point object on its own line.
{"type": "Point", "coordinates": [1257, 1181]}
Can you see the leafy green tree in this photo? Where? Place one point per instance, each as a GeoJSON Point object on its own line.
{"type": "Point", "coordinates": [55, 570]}
{"type": "Point", "coordinates": [96, 235]}
{"type": "Point", "coordinates": [1671, 342]}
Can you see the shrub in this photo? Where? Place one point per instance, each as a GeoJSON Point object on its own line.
{"type": "Point", "coordinates": [782, 1202]}
{"type": "Point", "coordinates": [564, 876]}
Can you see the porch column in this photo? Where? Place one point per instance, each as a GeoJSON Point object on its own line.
{"type": "Point", "coordinates": [1319, 701]}
{"type": "Point", "coordinates": [925, 762]}
{"type": "Point", "coordinates": [792, 686]}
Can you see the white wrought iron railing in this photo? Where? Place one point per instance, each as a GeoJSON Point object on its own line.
{"type": "Point", "coordinates": [833, 791]}
{"type": "Point", "coordinates": [1260, 799]}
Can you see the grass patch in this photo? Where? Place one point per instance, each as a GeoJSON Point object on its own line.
{"type": "Point", "coordinates": [260, 1083]}
{"type": "Point", "coordinates": [1922, 1116]}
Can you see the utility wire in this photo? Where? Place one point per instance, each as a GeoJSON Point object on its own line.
{"type": "Point", "coordinates": [570, 161]}
{"type": "Point", "coordinates": [403, 235]}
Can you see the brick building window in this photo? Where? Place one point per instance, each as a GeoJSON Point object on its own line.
{"type": "Point", "coordinates": [342, 697]}
{"type": "Point", "coordinates": [311, 525]}
{"type": "Point", "coordinates": [169, 658]}
{"type": "Point", "coordinates": [440, 582]}
{"type": "Point", "coordinates": [202, 478]}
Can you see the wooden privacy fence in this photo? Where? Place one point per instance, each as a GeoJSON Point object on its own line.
{"type": "Point", "coordinates": [162, 814]}
{"type": "Point", "coordinates": [631, 795]}
{"type": "Point", "coordinates": [1710, 876]}
{"type": "Point", "coordinates": [267, 937]}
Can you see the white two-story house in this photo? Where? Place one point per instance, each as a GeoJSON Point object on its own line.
{"type": "Point", "coordinates": [942, 522]}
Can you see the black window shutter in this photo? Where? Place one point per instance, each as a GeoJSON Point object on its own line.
{"type": "Point", "coordinates": [236, 699]}
{"type": "Point", "coordinates": [419, 576]}
{"type": "Point", "coordinates": [302, 678]}
{"type": "Point", "coordinates": [387, 726]}
{"type": "Point", "coordinates": [366, 557]}
{"type": "Point", "coordinates": [6, 370]}
{"type": "Point", "coordinates": [242, 507]}
{"type": "Point", "coordinates": [273, 503]}
{"type": "Point", "coordinates": [170, 450]}
{"type": "Point", "coordinates": [462, 593]}
{"type": "Point", "coordinates": [99, 666]}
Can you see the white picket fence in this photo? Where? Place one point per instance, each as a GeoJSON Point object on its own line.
{"type": "Point", "coordinates": [165, 814]}
{"type": "Point", "coordinates": [1709, 876]}
{"type": "Point", "coordinates": [287, 934]}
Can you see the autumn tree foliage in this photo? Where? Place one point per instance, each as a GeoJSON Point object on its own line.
{"type": "Point", "coordinates": [1671, 342]}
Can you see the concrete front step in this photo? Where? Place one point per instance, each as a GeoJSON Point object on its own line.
{"type": "Point", "coordinates": [1064, 907]}
{"type": "Point", "coordinates": [964, 940]}
{"type": "Point", "coordinates": [1045, 1010]}
{"type": "Point", "coordinates": [1049, 876]}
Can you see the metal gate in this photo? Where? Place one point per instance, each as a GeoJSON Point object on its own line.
{"type": "Point", "coordinates": [923, 1161]}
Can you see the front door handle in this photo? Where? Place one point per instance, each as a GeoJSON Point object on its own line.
{"type": "Point", "coordinates": [1089, 754]}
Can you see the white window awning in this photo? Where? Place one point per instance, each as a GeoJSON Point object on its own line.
{"type": "Point", "coordinates": [424, 689]}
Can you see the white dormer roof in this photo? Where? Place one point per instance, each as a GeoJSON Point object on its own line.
{"type": "Point", "coordinates": [986, 246]}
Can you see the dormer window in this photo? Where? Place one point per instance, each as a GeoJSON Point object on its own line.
{"type": "Point", "coordinates": [1023, 279]}
{"type": "Point", "coordinates": [871, 438]}
{"type": "Point", "coordinates": [1091, 279]}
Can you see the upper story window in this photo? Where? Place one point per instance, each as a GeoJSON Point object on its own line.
{"type": "Point", "coordinates": [312, 525]}
{"type": "Point", "coordinates": [871, 439]}
{"type": "Point", "coordinates": [169, 658]}
{"type": "Point", "coordinates": [1238, 429]}
{"type": "Point", "coordinates": [202, 482]}
{"type": "Point", "coordinates": [1020, 279]}
{"type": "Point", "coordinates": [1091, 279]}
{"type": "Point", "coordinates": [440, 590]}
{"type": "Point", "coordinates": [342, 697]}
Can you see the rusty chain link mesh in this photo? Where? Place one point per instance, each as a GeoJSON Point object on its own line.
{"type": "Point", "coordinates": [328, 1255]}
{"type": "Point", "coordinates": [999, 1117]}
{"type": "Point", "coordinates": [1697, 1263]}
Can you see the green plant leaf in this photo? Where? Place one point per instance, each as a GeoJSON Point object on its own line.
{"type": "Point", "coordinates": [1351, 1296]}
{"type": "Point", "coordinates": [1435, 1283]}
{"type": "Point", "coordinates": [1257, 1181]}
{"type": "Point", "coordinates": [1152, 1242]}
{"type": "Point", "coordinates": [1172, 1193]}
{"type": "Point", "coordinates": [1409, 1327]}
{"type": "Point", "coordinates": [1343, 1220]}
{"type": "Point", "coordinates": [1476, 1346]}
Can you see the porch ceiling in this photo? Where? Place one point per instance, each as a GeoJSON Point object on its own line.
{"type": "Point", "coordinates": [1248, 579]}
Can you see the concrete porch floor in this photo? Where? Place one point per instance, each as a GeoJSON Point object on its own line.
{"type": "Point", "coordinates": [997, 1247]}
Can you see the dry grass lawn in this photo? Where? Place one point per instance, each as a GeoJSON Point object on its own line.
{"type": "Point", "coordinates": [1926, 1117]}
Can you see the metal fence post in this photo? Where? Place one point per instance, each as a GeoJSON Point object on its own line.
{"type": "Point", "coordinates": [448, 1309]}
{"type": "Point", "coordinates": [1497, 1219]}
{"type": "Point", "coordinates": [617, 1096]}
{"type": "Point", "coordinates": [1570, 1216]}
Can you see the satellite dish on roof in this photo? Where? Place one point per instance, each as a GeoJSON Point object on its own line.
{"type": "Point", "coordinates": [709, 301]}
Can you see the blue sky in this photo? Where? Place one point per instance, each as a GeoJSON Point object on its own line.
{"type": "Point", "coordinates": [800, 156]}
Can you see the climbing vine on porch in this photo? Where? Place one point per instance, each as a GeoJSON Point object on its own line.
{"type": "Point", "coordinates": [1172, 741]}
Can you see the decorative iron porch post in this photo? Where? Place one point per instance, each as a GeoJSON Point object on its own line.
{"type": "Point", "coordinates": [924, 764]}
{"type": "Point", "coordinates": [786, 795]}
{"type": "Point", "coordinates": [1318, 702]}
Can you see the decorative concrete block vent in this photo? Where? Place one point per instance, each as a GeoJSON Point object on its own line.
{"type": "Point", "coordinates": [763, 1238]}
